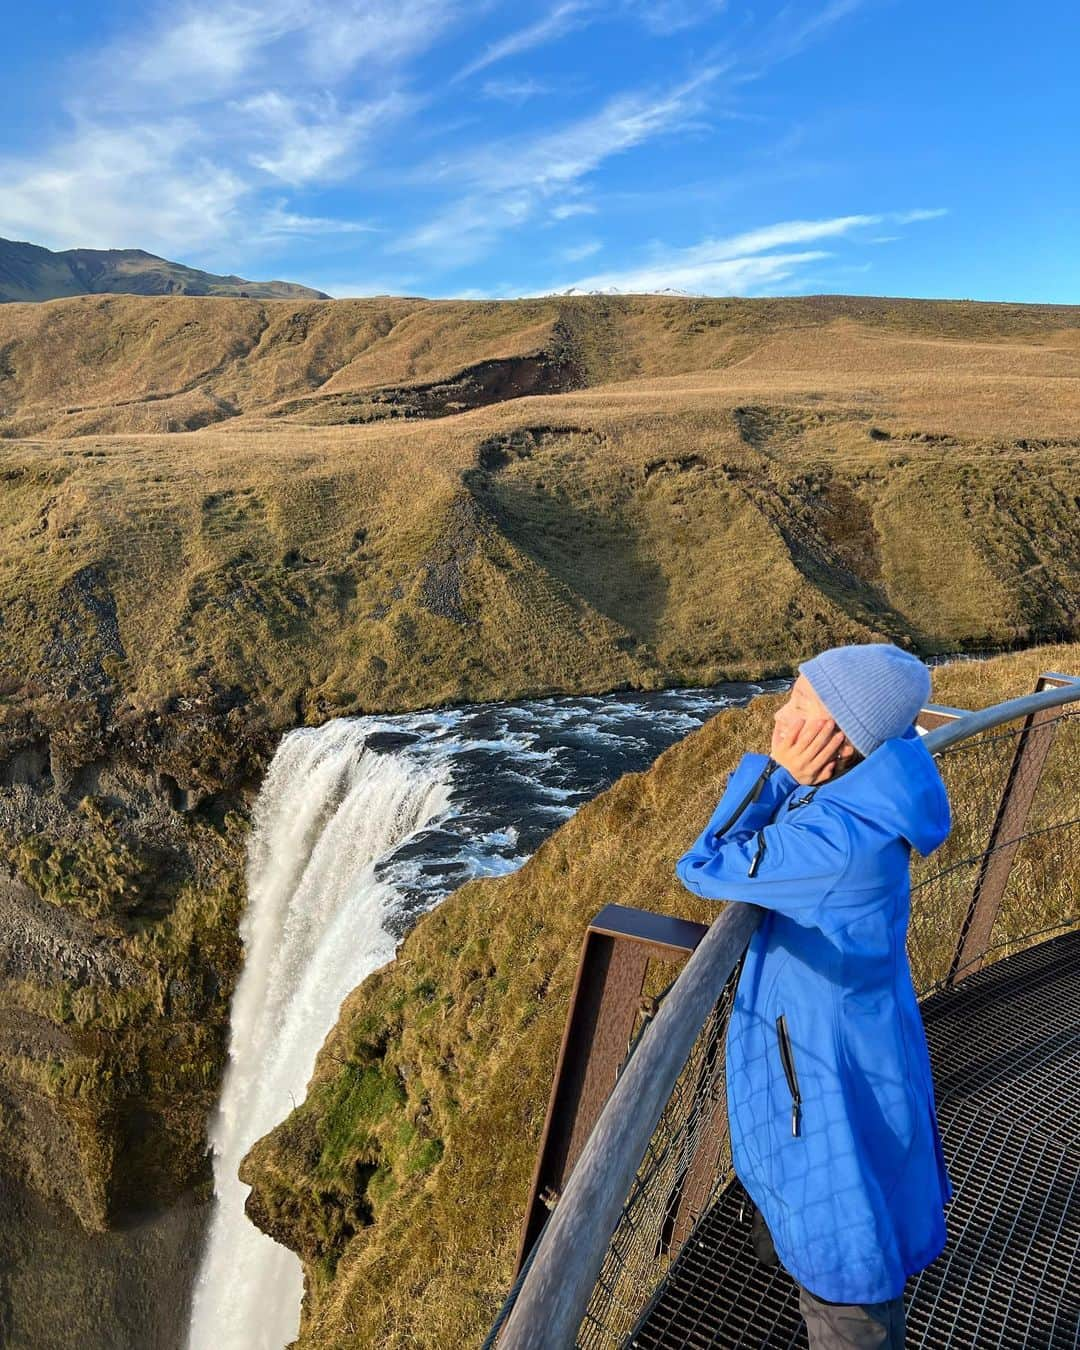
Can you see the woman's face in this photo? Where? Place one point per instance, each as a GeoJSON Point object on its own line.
{"type": "Point", "coordinates": [803, 704]}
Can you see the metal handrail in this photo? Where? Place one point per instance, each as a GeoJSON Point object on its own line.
{"type": "Point", "coordinates": [985, 719]}
{"type": "Point", "coordinates": [570, 1251]}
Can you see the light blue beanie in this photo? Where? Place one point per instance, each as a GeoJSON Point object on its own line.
{"type": "Point", "coordinates": [873, 690]}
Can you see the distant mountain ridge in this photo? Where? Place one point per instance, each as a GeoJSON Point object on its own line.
{"type": "Point", "coordinates": [29, 272]}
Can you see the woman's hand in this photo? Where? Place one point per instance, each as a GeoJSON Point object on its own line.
{"type": "Point", "coordinates": [808, 749]}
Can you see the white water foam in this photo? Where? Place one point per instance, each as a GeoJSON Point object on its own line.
{"type": "Point", "coordinates": [313, 930]}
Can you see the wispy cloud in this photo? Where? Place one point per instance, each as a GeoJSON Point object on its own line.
{"type": "Point", "coordinates": [907, 217]}
{"type": "Point", "coordinates": [578, 252]}
{"type": "Point", "coordinates": [153, 187]}
{"type": "Point", "coordinates": [279, 222]}
{"type": "Point", "coordinates": [739, 263]}
{"type": "Point", "coordinates": [509, 179]}
{"type": "Point", "coordinates": [565, 17]}
{"type": "Point", "coordinates": [312, 140]}
{"type": "Point", "coordinates": [208, 51]}
{"type": "Point", "coordinates": [564, 210]}
{"type": "Point", "coordinates": [673, 16]}
{"type": "Point", "coordinates": [514, 91]}
{"type": "Point", "coordinates": [793, 28]}
{"type": "Point", "coordinates": [181, 130]}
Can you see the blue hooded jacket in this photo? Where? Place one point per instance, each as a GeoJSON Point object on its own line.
{"type": "Point", "coordinates": [830, 1096]}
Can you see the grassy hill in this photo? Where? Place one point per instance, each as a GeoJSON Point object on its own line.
{"type": "Point", "coordinates": [857, 468]}
{"type": "Point", "coordinates": [29, 272]}
{"type": "Point", "coordinates": [401, 1181]}
{"type": "Point", "coordinates": [132, 366]}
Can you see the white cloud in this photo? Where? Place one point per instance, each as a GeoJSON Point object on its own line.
{"type": "Point", "coordinates": [280, 222]}
{"type": "Point", "coordinates": [151, 187]}
{"type": "Point", "coordinates": [736, 264]}
{"type": "Point", "coordinates": [578, 252]}
{"type": "Point", "coordinates": [564, 210]}
{"type": "Point", "coordinates": [509, 179]}
{"type": "Point", "coordinates": [209, 51]}
{"type": "Point", "coordinates": [559, 157]}
{"type": "Point", "coordinates": [313, 139]}
{"type": "Point", "coordinates": [563, 18]}
{"type": "Point", "coordinates": [514, 91]}
{"type": "Point", "coordinates": [907, 217]}
{"type": "Point", "coordinates": [672, 16]}
{"type": "Point", "coordinates": [789, 31]}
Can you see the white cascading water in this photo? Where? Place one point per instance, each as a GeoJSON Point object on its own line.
{"type": "Point", "coordinates": [313, 930]}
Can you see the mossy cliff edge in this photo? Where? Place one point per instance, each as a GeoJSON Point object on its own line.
{"type": "Point", "coordinates": [401, 1181]}
{"type": "Point", "coordinates": [397, 504]}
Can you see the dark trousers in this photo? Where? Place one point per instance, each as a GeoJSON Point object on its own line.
{"type": "Point", "coordinates": [837, 1326]}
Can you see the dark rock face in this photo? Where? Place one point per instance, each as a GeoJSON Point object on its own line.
{"type": "Point", "coordinates": [66, 1289]}
{"type": "Point", "coordinates": [477, 386]}
{"type": "Point", "coordinates": [123, 840]}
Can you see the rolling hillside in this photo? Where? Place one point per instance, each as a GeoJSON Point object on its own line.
{"type": "Point", "coordinates": [716, 487]}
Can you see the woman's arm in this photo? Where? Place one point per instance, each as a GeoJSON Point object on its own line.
{"type": "Point", "coordinates": [791, 866]}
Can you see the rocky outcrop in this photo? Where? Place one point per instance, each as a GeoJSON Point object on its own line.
{"type": "Point", "coordinates": [123, 844]}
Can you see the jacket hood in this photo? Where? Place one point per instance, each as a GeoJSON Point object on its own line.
{"type": "Point", "coordinates": [898, 785]}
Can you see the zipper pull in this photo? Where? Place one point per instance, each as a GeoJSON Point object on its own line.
{"type": "Point", "coordinates": [752, 870]}
{"type": "Point", "coordinates": [795, 1117]}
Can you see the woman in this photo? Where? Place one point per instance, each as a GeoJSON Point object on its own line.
{"type": "Point", "coordinates": [829, 1090]}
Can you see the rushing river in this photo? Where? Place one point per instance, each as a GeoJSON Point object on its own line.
{"type": "Point", "coordinates": [361, 825]}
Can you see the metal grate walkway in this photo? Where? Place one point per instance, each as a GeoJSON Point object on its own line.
{"type": "Point", "coordinates": [1005, 1049]}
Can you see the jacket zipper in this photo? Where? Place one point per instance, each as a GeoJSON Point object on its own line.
{"type": "Point", "coordinates": [802, 801]}
{"type": "Point", "coordinates": [756, 860]}
{"type": "Point", "coordinates": [788, 1061]}
{"type": "Point", "coordinates": [753, 793]}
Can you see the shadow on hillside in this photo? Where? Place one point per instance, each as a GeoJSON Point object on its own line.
{"type": "Point", "coordinates": [594, 551]}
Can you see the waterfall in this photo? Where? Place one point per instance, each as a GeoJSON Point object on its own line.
{"type": "Point", "coordinates": [313, 928]}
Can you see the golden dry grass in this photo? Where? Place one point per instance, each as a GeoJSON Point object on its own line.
{"type": "Point", "coordinates": [861, 468]}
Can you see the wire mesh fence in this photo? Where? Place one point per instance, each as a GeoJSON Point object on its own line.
{"type": "Point", "coordinates": [1014, 849]}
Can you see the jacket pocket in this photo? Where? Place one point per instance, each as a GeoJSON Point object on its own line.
{"type": "Point", "coordinates": [788, 1061]}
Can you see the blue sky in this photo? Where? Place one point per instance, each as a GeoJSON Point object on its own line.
{"type": "Point", "coordinates": [482, 148]}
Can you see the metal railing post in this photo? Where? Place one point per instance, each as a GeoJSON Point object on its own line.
{"type": "Point", "coordinates": [1025, 773]}
{"type": "Point", "coordinates": [615, 953]}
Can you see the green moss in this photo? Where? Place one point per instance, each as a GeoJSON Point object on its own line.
{"type": "Point", "coordinates": [103, 873]}
{"type": "Point", "coordinates": [359, 1097]}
